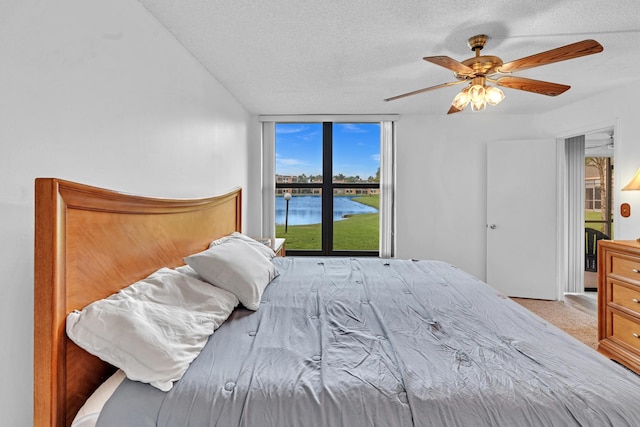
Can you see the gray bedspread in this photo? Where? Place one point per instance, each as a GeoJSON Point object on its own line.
{"type": "Point", "coordinates": [373, 342]}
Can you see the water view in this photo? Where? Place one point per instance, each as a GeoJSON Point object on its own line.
{"type": "Point", "coordinates": [308, 209]}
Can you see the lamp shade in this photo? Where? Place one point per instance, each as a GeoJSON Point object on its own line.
{"type": "Point", "coordinates": [634, 184]}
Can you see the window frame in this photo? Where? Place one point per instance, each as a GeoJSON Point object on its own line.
{"type": "Point", "coordinates": [327, 186]}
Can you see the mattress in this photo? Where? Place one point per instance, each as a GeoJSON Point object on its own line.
{"type": "Point", "coordinates": [374, 342]}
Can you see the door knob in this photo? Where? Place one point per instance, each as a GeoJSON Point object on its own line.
{"type": "Point", "coordinates": [492, 226]}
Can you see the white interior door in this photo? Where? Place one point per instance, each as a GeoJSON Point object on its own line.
{"type": "Point", "coordinates": [522, 236]}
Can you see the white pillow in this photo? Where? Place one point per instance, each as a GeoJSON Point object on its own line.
{"type": "Point", "coordinates": [154, 328]}
{"type": "Point", "coordinates": [260, 247]}
{"type": "Point", "coordinates": [236, 266]}
{"type": "Point", "coordinates": [185, 269]}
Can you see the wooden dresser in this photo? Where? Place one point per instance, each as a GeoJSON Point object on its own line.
{"type": "Point", "coordinates": [619, 301]}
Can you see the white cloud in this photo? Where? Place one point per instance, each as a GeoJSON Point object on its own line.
{"type": "Point", "coordinates": [353, 128]}
{"type": "Point", "coordinates": [291, 129]}
{"type": "Point", "coordinates": [291, 162]}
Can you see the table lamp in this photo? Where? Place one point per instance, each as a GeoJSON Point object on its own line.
{"type": "Point", "coordinates": [634, 184]}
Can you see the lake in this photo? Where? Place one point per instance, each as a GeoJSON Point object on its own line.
{"type": "Point", "coordinates": [308, 209]}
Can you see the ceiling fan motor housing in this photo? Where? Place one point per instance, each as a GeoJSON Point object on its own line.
{"type": "Point", "coordinates": [481, 65]}
{"type": "Point", "coordinates": [477, 42]}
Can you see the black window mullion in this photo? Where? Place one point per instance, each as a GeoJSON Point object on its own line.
{"type": "Point", "coordinates": [327, 188]}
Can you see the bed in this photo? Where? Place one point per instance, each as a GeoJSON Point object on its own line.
{"type": "Point", "coordinates": [335, 341]}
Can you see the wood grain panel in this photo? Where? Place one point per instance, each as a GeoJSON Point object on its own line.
{"type": "Point", "coordinates": [625, 267]}
{"type": "Point", "coordinates": [627, 331]}
{"type": "Point", "coordinates": [626, 297]}
{"type": "Point", "coordinates": [90, 243]}
{"type": "Point", "coordinates": [450, 64]}
{"type": "Point", "coordinates": [535, 86]}
{"type": "Point", "coordinates": [563, 53]}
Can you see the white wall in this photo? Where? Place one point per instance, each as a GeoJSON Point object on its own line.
{"type": "Point", "coordinates": [97, 92]}
{"type": "Point", "coordinates": [441, 184]}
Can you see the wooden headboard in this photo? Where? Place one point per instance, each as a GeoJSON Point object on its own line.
{"type": "Point", "coordinates": [90, 243]}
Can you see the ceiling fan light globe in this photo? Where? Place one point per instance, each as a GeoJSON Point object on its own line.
{"type": "Point", "coordinates": [494, 95]}
{"type": "Point", "coordinates": [461, 100]}
{"type": "Point", "coordinates": [478, 106]}
{"type": "Point", "coordinates": [476, 93]}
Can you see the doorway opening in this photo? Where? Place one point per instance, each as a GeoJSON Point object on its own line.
{"type": "Point", "coordinates": [598, 196]}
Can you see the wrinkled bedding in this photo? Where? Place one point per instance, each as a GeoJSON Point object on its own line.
{"type": "Point", "coordinates": [373, 342]}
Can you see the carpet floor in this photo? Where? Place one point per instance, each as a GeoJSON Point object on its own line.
{"type": "Point", "coordinates": [571, 320]}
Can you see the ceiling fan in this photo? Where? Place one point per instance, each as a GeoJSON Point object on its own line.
{"type": "Point", "coordinates": [483, 69]}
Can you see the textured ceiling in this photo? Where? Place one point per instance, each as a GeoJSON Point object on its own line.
{"type": "Point", "coordinates": [345, 57]}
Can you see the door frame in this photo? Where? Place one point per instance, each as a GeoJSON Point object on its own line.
{"type": "Point", "coordinates": [563, 188]}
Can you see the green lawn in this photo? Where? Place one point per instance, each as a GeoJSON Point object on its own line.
{"type": "Point", "coordinates": [358, 232]}
{"type": "Point", "coordinates": [372, 200]}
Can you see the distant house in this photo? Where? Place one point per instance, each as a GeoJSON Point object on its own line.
{"type": "Point", "coordinates": [290, 179]}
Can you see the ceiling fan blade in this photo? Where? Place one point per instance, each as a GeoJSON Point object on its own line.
{"type": "Point", "coordinates": [530, 85]}
{"type": "Point", "coordinates": [427, 89]}
{"type": "Point", "coordinates": [450, 64]}
{"type": "Point", "coordinates": [570, 51]}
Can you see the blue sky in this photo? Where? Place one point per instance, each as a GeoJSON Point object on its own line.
{"type": "Point", "coordinates": [356, 149]}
